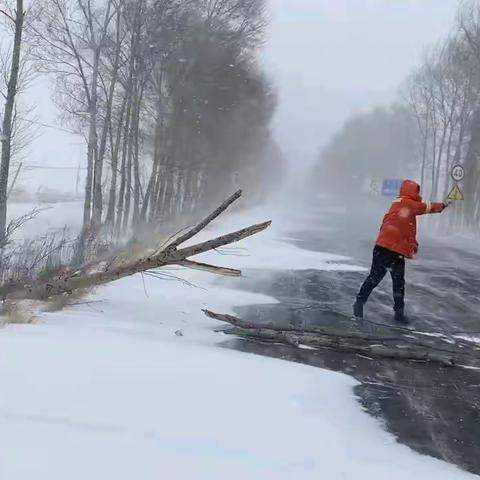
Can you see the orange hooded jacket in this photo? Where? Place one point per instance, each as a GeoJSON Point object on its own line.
{"type": "Point", "coordinates": [399, 229]}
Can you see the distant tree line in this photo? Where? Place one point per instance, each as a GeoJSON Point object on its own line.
{"type": "Point", "coordinates": [173, 107]}
{"type": "Point", "coordinates": [434, 125]}
{"type": "Point", "coordinates": [370, 146]}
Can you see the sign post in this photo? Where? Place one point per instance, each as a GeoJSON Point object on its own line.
{"type": "Point", "coordinates": [458, 174]}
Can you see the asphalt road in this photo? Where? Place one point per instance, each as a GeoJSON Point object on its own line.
{"type": "Point", "coordinates": [433, 409]}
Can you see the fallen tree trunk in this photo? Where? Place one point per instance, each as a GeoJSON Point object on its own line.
{"type": "Point", "coordinates": [170, 255]}
{"type": "Point", "coordinates": [400, 346]}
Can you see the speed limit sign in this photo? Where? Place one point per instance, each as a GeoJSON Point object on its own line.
{"type": "Point", "coordinates": [458, 173]}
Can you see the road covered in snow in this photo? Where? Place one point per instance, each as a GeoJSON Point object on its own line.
{"type": "Point", "coordinates": [134, 382]}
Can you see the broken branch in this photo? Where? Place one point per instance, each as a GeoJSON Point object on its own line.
{"type": "Point", "coordinates": [221, 241]}
{"type": "Point", "coordinates": [227, 272]}
{"type": "Point", "coordinates": [191, 233]}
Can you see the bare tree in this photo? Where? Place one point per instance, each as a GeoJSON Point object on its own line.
{"type": "Point", "coordinates": [441, 95]}
{"type": "Point", "coordinates": [167, 95]}
{"type": "Point", "coordinates": [469, 34]}
{"type": "Point", "coordinates": [70, 36]}
{"type": "Point", "coordinates": [418, 96]}
{"type": "Point", "coordinates": [9, 112]}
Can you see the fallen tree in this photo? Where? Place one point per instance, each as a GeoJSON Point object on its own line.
{"type": "Point", "coordinates": [400, 344]}
{"type": "Point", "coordinates": [110, 269]}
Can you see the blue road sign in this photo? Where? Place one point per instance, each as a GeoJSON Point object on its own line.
{"type": "Point", "coordinates": [391, 188]}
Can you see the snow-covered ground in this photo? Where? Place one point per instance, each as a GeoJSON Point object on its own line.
{"type": "Point", "coordinates": [51, 217]}
{"type": "Point", "coordinates": [108, 390]}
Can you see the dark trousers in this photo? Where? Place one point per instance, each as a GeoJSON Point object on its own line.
{"type": "Point", "coordinates": [385, 260]}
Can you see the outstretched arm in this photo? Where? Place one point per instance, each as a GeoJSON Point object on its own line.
{"type": "Point", "coordinates": [423, 208]}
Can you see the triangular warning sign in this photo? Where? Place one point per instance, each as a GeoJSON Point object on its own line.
{"type": "Point", "coordinates": [455, 194]}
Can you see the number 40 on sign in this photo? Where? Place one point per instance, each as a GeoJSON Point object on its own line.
{"type": "Point", "coordinates": [458, 173]}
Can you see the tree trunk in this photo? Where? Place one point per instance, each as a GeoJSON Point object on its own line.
{"type": "Point", "coordinates": [92, 152]}
{"type": "Point", "coordinates": [93, 140]}
{"type": "Point", "coordinates": [439, 161]}
{"type": "Point", "coordinates": [156, 212]}
{"type": "Point", "coordinates": [8, 117]}
{"type": "Point", "coordinates": [471, 164]}
{"type": "Point", "coordinates": [151, 192]}
{"type": "Point", "coordinates": [98, 173]}
{"type": "Point", "coordinates": [128, 174]}
{"type": "Point", "coordinates": [434, 153]}
{"type": "Point", "coordinates": [115, 147]}
{"type": "Point", "coordinates": [148, 198]}
{"type": "Point", "coordinates": [397, 344]}
{"type": "Point", "coordinates": [137, 189]}
{"type": "Point", "coordinates": [110, 219]}
{"type": "Point", "coordinates": [123, 170]}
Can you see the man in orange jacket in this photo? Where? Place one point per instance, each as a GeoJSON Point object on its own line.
{"type": "Point", "coordinates": [397, 240]}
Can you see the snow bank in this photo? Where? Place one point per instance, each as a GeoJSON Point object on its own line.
{"type": "Point", "coordinates": [108, 390]}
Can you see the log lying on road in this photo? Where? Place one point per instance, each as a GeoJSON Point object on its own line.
{"type": "Point", "coordinates": [401, 346]}
{"type": "Point", "coordinates": [170, 255]}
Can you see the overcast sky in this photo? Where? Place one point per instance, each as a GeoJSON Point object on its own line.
{"type": "Point", "coordinates": [329, 58]}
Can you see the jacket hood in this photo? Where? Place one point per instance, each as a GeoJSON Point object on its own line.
{"type": "Point", "coordinates": [410, 189]}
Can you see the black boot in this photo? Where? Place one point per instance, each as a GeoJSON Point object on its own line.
{"type": "Point", "coordinates": [358, 309]}
{"type": "Point", "coordinates": [401, 318]}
